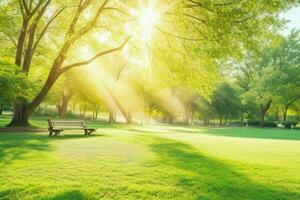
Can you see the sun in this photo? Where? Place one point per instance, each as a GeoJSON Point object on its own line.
{"type": "Point", "coordinates": [148, 18]}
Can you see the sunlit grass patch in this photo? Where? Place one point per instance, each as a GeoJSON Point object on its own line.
{"type": "Point", "coordinates": [154, 162]}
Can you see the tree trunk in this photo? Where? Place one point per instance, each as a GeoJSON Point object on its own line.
{"type": "Point", "coordinates": [96, 112]}
{"type": "Point", "coordinates": [164, 120]}
{"type": "Point", "coordinates": [84, 109]}
{"type": "Point", "coordinates": [221, 120]}
{"type": "Point", "coordinates": [171, 119]}
{"type": "Point", "coordinates": [1, 109]}
{"type": "Point", "coordinates": [284, 114]}
{"type": "Point", "coordinates": [119, 104]}
{"type": "Point", "coordinates": [262, 118]}
{"type": "Point", "coordinates": [263, 111]}
{"type": "Point", "coordinates": [21, 40]}
{"type": "Point", "coordinates": [112, 117]}
{"type": "Point", "coordinates": [63, 106]}
{"type": "Point", "coordinates": [22, 111]}
{"type": "Point", "coordinates": [205, 121]}
{"type": "Point", "coordinates": [192, 117]}
{"type": "Point", "coordinates": [277, 114]}
{"type": "Point", "coordinates": [149, 113]}
{"type": "Point", "coordinates": [20, 116]}
{"type": "Point", "coordinates": [242, 118]}
{"type": "Point", "coordinates": [186, 119]}
{"type": "Point", "coordinates": [129, 118]}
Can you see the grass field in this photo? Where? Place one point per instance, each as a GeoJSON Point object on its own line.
{"type": "Point", "coordinates": [154, 162]}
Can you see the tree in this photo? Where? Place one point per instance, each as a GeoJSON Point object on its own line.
{"type": "Point", "coordinates": [66, 93]}
{"type": "Point", "coordinates": [226, 102]}
{"type": "Point", "coordinates": [255, 76]}
{"type": "Point", "coordinates": [286, 62]}
{"type": "Point", "coordinates": [273, 75]}
{"type": "Point", "coordinates": [32, 15]}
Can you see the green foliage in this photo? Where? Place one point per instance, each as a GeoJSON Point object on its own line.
{"type": "Point", "coordinates": [225, 100]}
{"type": "Point", "coordinates": [14, 84]}
{"type": "Point", "coordinates": [289, 124]}
{"type": "Point", "coordinates": [285, 60]}
{"type": "Point", "coordinates": [256, 123]}
{"type": "Point", "coordinates": [272, 76]}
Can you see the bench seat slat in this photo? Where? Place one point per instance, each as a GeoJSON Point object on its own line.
{"type": "Point", "coordinates": [69, 128]}
{"type": "Point", "coordinates": [72, 123]}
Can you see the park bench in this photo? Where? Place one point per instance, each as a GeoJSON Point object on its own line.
{"type": "Point", "coordinates": [57, 127]}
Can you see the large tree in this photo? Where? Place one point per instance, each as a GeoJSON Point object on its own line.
{"type": "Point", "coordinates": [33, 15]}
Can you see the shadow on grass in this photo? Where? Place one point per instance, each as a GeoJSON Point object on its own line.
{"type": "Point", "coordinates": [206, 178]}
{"type": "Point", "coordinates": [67, 195]}
{"type": "Point", "coordinates": [70, 195]}
{"type": "Point", "coordinates": [15, 146]}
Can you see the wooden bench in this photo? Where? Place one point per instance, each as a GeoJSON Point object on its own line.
{"type": "Point", "coordinates": [57, 127]}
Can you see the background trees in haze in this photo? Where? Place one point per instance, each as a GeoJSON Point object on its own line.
{"type": "Point", "coordinates": [171, 68]}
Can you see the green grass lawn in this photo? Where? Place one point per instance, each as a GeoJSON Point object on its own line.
{"type": "Point", "coordinates": [154, 162]}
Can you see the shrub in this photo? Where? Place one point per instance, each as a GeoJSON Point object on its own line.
{"type": "Point", "coordinates": [253, 123]}
{"type": "Point", "coordinates": [289, 124]}
{"type": "Point", "coordinates": [270, 124]}
{"type": "Point", "coordinates": [266, 123]}
{"type": "Point", "coordinates": [45, 112]}
{"type": "Point", "coordinates": [235, 123]}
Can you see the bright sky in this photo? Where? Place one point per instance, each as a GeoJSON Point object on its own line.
{"type": "Point", "coordinates": [293, 16]}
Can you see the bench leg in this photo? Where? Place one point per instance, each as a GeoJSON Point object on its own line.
{"type": "Point", "coordinates": [57, 132]}
{"type": "Point", "coordinates": [88, 132]}
{"type": "Point", "coordinates": [91, 131]}
{"type": "Point", "coordinates": [50, 133]}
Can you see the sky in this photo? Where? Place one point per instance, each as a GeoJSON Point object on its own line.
{"type": "Point", "coordinates": [293, 16]}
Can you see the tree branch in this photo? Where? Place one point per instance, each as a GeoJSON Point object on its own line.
{"type": "Point", "coordinates": [10, 38]}
{"type": "Point", "coordinates": [68, 67]}
{"type": "Point", "coordinates": [92, 23]}
{"type": "Point", "coordinates": [22, 8]}
{"type": "Point", "coordinates": [175, 35]}
{"type": "Point", "coordinates": [25, 7]}
{"type": "Point", "coordinates": [116, 9]}
{"type": "Point", "coordinates": [52, 18]}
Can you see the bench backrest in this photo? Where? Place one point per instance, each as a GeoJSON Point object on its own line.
{"type": "Point", "coordinates": [53, 124]}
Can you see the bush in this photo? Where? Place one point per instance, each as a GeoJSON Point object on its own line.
{"type": "Point", "coordinates": [235, 123]}
{"type": "Point", "coordinates": [253, 123]}
{"type": "Point", "coordinates": [289, 124]}
{"type": "Point", "coordinates": [53, 113]}
{"type": "Point", "coordinates": [238, 123]}
{"type": "Point", "coordinates": [271, 124]}
{"type": "Point", "coordinates": [45, 112]}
